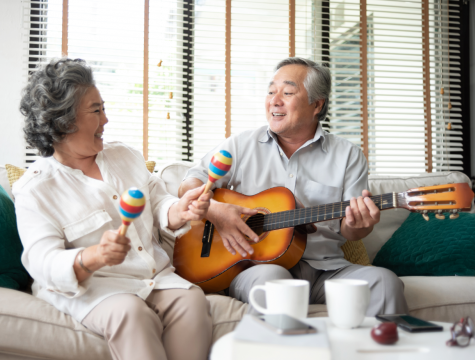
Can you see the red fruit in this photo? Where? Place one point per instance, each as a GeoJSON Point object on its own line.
{"type": "Point", "coordinates": [385, 333]}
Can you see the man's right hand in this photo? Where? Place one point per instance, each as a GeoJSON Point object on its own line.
{"type": "Point", "coordinates": [227, 220]}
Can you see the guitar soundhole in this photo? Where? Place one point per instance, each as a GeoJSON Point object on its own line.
{"type": "Point", "coordinates": [256, 223]}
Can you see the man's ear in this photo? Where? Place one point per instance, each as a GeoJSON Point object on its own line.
{"type": "Point", "coordinates": [318, 106]}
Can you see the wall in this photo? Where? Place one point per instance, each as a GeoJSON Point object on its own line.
{"type": "Point", "coordinates": [472, 83]}
{"type": "Point", "coordinates": [11, 81]}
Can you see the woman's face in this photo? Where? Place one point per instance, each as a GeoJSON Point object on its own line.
{"type": "Point", "coordinates": [90, 121]}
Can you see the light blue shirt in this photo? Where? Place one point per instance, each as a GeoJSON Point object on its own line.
{"type": "Point", "coordinates": [325, 169]}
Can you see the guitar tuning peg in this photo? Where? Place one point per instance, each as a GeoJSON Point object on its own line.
{"type": "Point", "coordinates": [426, 217]}
{"type": "Point", "coordinates": [454, 216]}
{"type": "Point", "coordinates": [440, 216]}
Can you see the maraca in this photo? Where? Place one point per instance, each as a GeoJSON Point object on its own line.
{"type": "Point", "coordinates": [132, 203]}
{"type": "Point", "coordinates": [218, 167]}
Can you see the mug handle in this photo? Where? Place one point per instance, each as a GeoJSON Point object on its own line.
{"type": "Point", "coordinates": [254, 302]}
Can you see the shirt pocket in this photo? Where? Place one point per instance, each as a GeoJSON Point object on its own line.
{"type": "Point", "coordinates": [88, 231]}
{"type": "Point", "coordinates": [315, 194]}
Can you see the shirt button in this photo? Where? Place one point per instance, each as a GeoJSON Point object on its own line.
{"type": "Point", "coordinates": [35, 172]}
{"type": "Point", "coordinates": [291, 175]}
{"type": "Point", "coordinates": [311, 145]}
{"type": "Point", "coordinates": [140, 248]}
{"type": "Point", "coordinates": [151, 283]}
{"type": "Point", "coordinates": [115, 197]}
{"type": "Point", "coordinates": [154, 271]}
{"type": "Point", "coordinates": [281, 154]}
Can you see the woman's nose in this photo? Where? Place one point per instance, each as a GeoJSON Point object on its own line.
{"type": "Point", "coordinates": [104, 119]}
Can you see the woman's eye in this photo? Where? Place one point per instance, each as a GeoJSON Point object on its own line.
{"type": "Point", "coordinates": [288, 93]}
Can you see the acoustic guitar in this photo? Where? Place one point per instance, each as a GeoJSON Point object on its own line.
{"type": "Point", "coordinates": [282, 227]}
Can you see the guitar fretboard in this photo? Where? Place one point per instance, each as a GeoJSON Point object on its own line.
{"type": "Point", "coordinates": [313, 214]}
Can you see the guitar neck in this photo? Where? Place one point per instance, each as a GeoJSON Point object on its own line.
{"type": "Point", "coordinates": [314, 214]}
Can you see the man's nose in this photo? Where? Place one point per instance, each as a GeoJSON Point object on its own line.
{"type": "Point", "coordinates": [276, 100]}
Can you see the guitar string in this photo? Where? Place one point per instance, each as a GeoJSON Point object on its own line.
{"type": "Point", "coordinates": [309, 212]}
{"type": "Point", "coordinates": [318, 208]}
{"type": "Point", "coordinates": [319, 211]}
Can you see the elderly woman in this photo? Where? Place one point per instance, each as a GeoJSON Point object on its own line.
{"type": "Point", "coordinates": [123, 288]}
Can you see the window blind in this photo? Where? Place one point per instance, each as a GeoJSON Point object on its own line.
{"type": "Point", "coordinates": [395, 70]}
{"type": "Point", "coordinates": [259, 40]}
{"type": "Point", "coordinates": [117, 38]}
{"type": "Point", "coordinates": [168, 89]}
{"type": "Point", "coordinates": [42, 26]}
{"type": "Point", "coordinates": [330, 34]}
{"type": "Point", "coordinates": [396, 114]}
{"type": "Point", "coordinates": [209, 76]}
{"type": "Point", "coordinates": [443, 26]}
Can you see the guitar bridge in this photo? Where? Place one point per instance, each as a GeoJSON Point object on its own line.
{"type": "Point", "coordinates": [207, 239]}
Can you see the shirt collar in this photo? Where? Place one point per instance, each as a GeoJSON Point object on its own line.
{"type": "Point", "coordinates": [319, 133]}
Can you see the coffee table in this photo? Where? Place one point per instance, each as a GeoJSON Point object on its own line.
{"type": "Point", "coordinates": [358, 344]}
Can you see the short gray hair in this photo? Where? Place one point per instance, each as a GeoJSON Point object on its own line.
{"type": "Point", "coordinates": [317, 82]}
{"type": "Point", "coordinates": [50, 101]}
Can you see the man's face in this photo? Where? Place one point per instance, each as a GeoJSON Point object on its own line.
{"type": "Point", "coordinates": [287, 109]}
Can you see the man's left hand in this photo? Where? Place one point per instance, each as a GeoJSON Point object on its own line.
{"type": "Point", "coordinates": [361, 216]}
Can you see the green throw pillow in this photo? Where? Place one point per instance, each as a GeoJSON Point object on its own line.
{"type": "Point", "coordinates": [431, 248]}
{"type": "Point", "coordinates": [12, 273]}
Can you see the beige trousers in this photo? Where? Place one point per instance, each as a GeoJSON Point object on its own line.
{"type": "Point", "coordinates": [173, 324]}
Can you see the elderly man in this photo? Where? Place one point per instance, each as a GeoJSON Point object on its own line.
{"type": "Point", "coordinates": [319, 168]}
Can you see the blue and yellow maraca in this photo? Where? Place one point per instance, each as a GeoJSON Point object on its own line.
{"type": "Point", "coordinates": [218, 167]}
{"type": "Point", "coordinates": [132, 203]}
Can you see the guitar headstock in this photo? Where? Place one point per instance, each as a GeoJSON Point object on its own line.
{"type": "Point", "coordinates": [439, 198]}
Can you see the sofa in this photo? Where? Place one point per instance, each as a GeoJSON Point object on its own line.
{"type": "Point", "coordinates": [32, 329]}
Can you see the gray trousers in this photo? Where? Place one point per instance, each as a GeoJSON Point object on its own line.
{"type": "Point", "coordinates": [387, 290]}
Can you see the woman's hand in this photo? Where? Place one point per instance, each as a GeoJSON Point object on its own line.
{"type": "Point", "coordinates": [193, 206]}
{"type": "Point", "coordinates": [112, 249]}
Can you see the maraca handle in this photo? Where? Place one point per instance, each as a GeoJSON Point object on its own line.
{"type": "Point", "coordinates": [207, 188]}
{"type": "Point", "coordinates": [123, 230]}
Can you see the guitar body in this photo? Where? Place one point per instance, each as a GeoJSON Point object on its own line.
{"type": "Point", "coordinates": [215, 272]}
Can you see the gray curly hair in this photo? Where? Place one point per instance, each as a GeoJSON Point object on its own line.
{"type": "Point", "coordinates": [50, 99]}
{"type": "Point", "coordinates": [318, 82]}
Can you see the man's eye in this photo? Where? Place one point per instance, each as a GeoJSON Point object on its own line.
{"type": "Point", "coordinates": [288, 93]}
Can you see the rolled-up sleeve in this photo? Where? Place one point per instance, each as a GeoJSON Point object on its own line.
{"type": "Point", "coordinates": [161, 202]}
{"type": "Point", "coordinates": [45, 256]}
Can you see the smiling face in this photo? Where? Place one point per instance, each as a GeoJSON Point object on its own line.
{"type": "Point", "coordinates": [287, 109]}
{"type": "Point", "coordinates": [90, 121]}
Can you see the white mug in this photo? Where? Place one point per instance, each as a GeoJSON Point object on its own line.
{"type": "Point", "coordinates": [347, 301]}
{"type": "Point", "coordinates": [284, 296]}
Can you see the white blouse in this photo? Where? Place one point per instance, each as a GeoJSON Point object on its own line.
{"type": "Point", "coordinates": [61, 211]}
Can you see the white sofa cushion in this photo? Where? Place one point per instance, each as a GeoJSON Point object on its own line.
{"type": "Point", "coordinates": [441, 298]}
{"type": "Point", "coordinates": [173, 175]}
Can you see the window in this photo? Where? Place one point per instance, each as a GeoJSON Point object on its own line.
{"type": "Point", "coordinates": [178, 77]}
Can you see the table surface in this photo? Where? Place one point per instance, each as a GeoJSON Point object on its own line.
{"type": "Point", "coordinates": [358, 344]}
